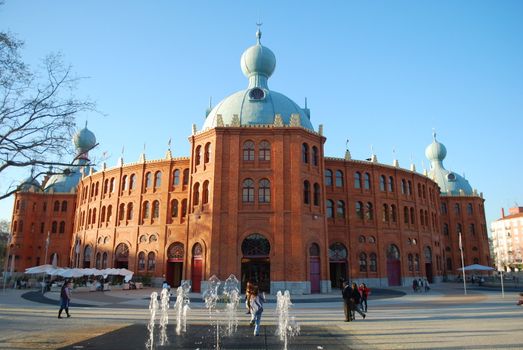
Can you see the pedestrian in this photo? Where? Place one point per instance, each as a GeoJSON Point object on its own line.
{"type": "Point", "coordinates": [65, 298]}
{"type": "Point", "coordinates": [427, 285]}
{"type": "Point", "coordinates": [345, 292]}
{"type": "Point", "coordinates": [420, 285]}
{"type": "Point", "coordinates": [415, 285]}
{"type": "Point", "coordinates": [354, 301]}
{"type": "Point", "coordinates": [364, 291]}
{"type": "Point", "coordinates": [248, 291]}
{"type": "Point", "coordinates": [256, 308]}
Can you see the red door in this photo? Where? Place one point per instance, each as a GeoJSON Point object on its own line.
{"type": "Point", "coordinates": [196, 276]}
{"type": "Point", "coordinates": [394, 272]}
{"type": "Point", "coordinates": [315, 274]}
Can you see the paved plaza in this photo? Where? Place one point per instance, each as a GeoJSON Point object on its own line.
{"type": "Point", "coordinates": [397, 319]}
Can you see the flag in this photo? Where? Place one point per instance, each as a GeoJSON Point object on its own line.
{"type": "Point", "coordinates": [460, 243]}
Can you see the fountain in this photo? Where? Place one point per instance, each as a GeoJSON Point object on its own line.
{"type": "Point", "coordinates": [231, 291]}
{"type": "Point", "coordinates": [181, 307]}
{"type": "Point", "coordinates": [287, 326]}
{"type": "Point", "coordinates": [211, 297]}
{"type": "Point", "coordinates": [153, 306]}
{"type": "Point", "coordinates": [164, 317]}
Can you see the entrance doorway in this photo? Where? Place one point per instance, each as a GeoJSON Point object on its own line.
{"type": "Point", "coordinates": [121, 260]}
{"type": "Point", "coordinates": [255, 263]}
{"type": "Point", "coordinates": [393, 266]}
{"type": "Point", "coordinates": [338, 264]}
{"type": "Point", "coordinates": [174, 268]}
{"type": "Point", "coordinates": [428, 263]}
{"type": "Point", "coordinates": [197, 268]}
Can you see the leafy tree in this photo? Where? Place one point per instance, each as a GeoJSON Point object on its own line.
{"type": "Point", "coordinates": [37, 112]}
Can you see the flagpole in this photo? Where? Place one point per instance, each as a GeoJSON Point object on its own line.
{"type": "Point", "coordinates": [7, 258]}
{"type": "Point", "coordinates": [45, 260]}
{"type": "Point", "coordinates": [462, 264]}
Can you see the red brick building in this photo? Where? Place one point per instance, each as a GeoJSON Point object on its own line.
{"type": "Point", "coordinates": [256, 198]}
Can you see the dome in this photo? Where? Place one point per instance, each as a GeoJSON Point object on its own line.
{"type": "Point", "coordinates": [449, 182]}
{"type": "Point", "coordinates": [84, 140]}
{"type": "Point", "coordinates": [30, 184]}
{"type": "Point", "coordinates": [257, 105]}
{"type": "Point", "coordinates": [68, 180]}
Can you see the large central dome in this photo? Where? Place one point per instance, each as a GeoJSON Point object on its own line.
{"type": "Point", "coordinates": [257, 105]}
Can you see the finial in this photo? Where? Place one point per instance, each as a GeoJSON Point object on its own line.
{"type": "Point", "coordinates": [210, 102]}
{"type": "Point", "coordinates": [347, 144]}
{"type": "Point", "coordinates": [85, 124]}
{"type": "Point", "coordinates": [258, 33]}
{"type": "Point", "coordinates": [144, 147]}
{"type": "Point", "coordinates": [123, 149]}
{"type": "Point", "coordinates": [32, 171]}
{"type": "Point", "coordinates": [305, 102]}
{"type": "Point", "coordinates": [169, 144]}
{"type": "Point", "coordinates": [434, 134]}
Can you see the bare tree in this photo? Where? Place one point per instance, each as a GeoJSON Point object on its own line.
{"type": "Point", "coordinates": [37, 112]}
{"type": "Point", "coordinates": [4, 238]}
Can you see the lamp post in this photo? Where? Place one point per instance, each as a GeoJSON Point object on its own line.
{"type": "Point", "coordinates": [45, 259]}
{"type": "Point", "coordinates": [462, 264]}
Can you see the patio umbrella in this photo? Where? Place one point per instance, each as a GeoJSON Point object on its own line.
{"type": "Point", "coordinates": [40, 269]}
{"type": "Point", "coordinates": [476, 267]}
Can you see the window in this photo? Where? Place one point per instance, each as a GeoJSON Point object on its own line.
{"type": "Point", "coordinates": [449, 264]}
{"type": "Point", "coordinates": [111, 186]}
{"type": "Point", "coordinates": [174, 208]}
{"type": "Point", "coordinates": [205, 195]}
{"type": "Point", "coordinates": [141, 261]}
{"type": "Point", "coordinates": [248, 191]}
{"type": "Point", "coordinates": [469, 209]}
{"type": "Point", "coordinates": [196, 194]}
{"type": "Point", "coordinates": [339, 178]}
{"type": "Point", "coordinates": [369, 211]}
{"type": "Point", "coordinates": [315, 156]}
{"type": "Point", "coordinates": [391, 184]}
{"type": "Point", "coordinates": [109, 213]}
{"type": "Point", "coordinates": [340, 209]}
{"type": "Point", "coordinates": [420, 194]}
{"type": "Point", "coordinates": [94, 216]}
{"type": "Point", "coordinates": [316, 199]}
{"type": "Point", "coordinates": [367, 181]}
{"type": "Point", "coordinates": [64, 206]}
{"type": "Point", "coordinates": [124, 183]}
{"type": "Point", "coordinates": [446, 229]}
{"type": "Point", "coordinates": [406, 215]}
{"type": "Point", "coordinates": [148, 180]}
{"type": "Point", "coordinates": [371, 240]}
{"type": "Point", "coordinates": [459, 229]}
{"type": "Point", "coordinates": [357, 179]}
{"type": "Point", "coordinates": [330, 208]}
{"type": "Point", "coordinates": [382, 183]}
{"type": "Point", "coordinates": [104, 260]}
{"type": "Point", "coordinates": [54, 227]}
{"type": "Point", "coordinates": [359, 210]}
{"type": "Point", "coordinates": [412, 216]}
{"type": "Point", "coordinates": [106, 186]}
{"type": "Point", "coordinates": [373, 262]}
{"type": "Point", "coordinates": [393, 213]}
{"type": "Point", "coordinates": [457, 209]}
{"type": "Point", "coordinates": [409, 188]}
{"type": "Point", "coordinates": [121, 214]}
{"type": "Point", "coordinates": [421, 217]}
{"type": "Point", "coordinates": [197, 155]}
{"type": "Point", "coordinates": [176, 177]}
{"type": "Point", "coordinates": [184, 207]}
{"type": "Point", "coordinates": [385, 213]}
{"type": "Point", "coordinates": [132, 182]}
{"type": "Point", "coordinates": [361, 239]}
{"type": "Point", "coordinates": [363, 262]}
{"type": "Point", "coordinates": [328, 177]}
{"type": "Point", "coordinates": [306, 192]}
{"type": "Point", "coordinates": [265, 151]}
{"type": "Point", "coordinates": [146, 210]}
{"type": "Point", "coordinates": [264, 191]}
{"type": "Point", "coordinates": [416, 263]}
{"type": "Point", "coordinates": [157, 179]}
{"type": "Point", "coordinates": [156, 209]}
{"type": "Point", "coordinates": [98, 260]}
{"type": "Point", "coordinates": [130, 211]}
{"type": "Point", "coordinates": [248, 151]}
{"type": "Point", "coordinates": [305, 153]}
{"type": "Point", "coordinates": [151, 261]}
{"type": "Point", "coordinates": [185, 177]}
{"type": "Point", "coordinates": [62, 227]}
{"type": "Point", "coordinates": [472, 229]}
{"type": "Point", "coordinates": [102, 214]}
{"type": "Point", "coordinates": [207, 153]}
{"type": "Point", "coordinates": [56, 206]}
{"type": "Point", "coordinates": [410, 260]}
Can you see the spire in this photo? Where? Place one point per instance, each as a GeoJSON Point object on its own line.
{"type": "Point", "coordinates": [395, 162]}
{"type": "Point", "coordinates": [347, 152]}
{"type": "Point", "coordinates": [258, 33]}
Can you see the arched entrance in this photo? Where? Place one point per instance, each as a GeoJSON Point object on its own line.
{"type": "Point", "coordinates": [197, 267]}
{"type": "Point", "coordinates": [174, 269]}
{"type": "Point", "coordinates": [87, 257]}
{"type": "Point", "coordinates": [256, 264]}
{"type": "Point", "coordinates": [428, 263]}
{"type": "Point", "coordinates": [314, 267]}
{"type": "Point", "coordinates": [121, 256]}
{"type": "Point", "coordinates": [393, 266]}
{"type": "Point", "coordinates": [338, 264]}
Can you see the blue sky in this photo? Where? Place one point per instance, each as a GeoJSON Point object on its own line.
{"type": "Point", "coordinates": [379, 73]}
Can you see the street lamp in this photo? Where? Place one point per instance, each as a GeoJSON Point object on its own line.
{"type": "Point", "coordinates": [462, 263]}
{"type": "Point", "coordinates": [45, 259]}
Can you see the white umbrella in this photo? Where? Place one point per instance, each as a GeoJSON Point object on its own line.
{"type": "Point", "coordinates": [39, 269]}
{"type": "Point", "coordinates": [476, 267]}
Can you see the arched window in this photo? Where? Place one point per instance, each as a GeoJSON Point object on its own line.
{"type": "Point", "coordinates": [98, 262]}
{"type": "Point", "coordinates": [121, 213]}
{"type": "Point", "coordinates": [339, 178]}
{"type": "Point", "coordinates": [361, 239]}
{"type": "Point", "coordinates": [64, 206]}
{"type": "Point", "coordinates": [105, 258]}
{"type": "Point", "coordinates": [472, 230]}
{"type": "Point", "coordinates": [337, 252]}
{"type": "Point", "coordinates": [330, 208]}
{"type": "Point", "coordinates": [412, 216]}
{"type": "Point", "coordinates": [264, 191]}
{"type": "Point", "coordinates": [156, 209]}
{"type": "Point", "coordinates": [373, 262]}
{"type": "Point", "coordinates": [314, 250]}
{"type": "Point", "coordinates": [385, 213]}
{"type": "Point", "coordinates": [305, 153]}
{"type": "Point", "coordinates": [382, 183]}
{"type": "Point", "coordinates": [421, 217]}
{"type": "Point", "coordinates": [174, 208]}
{"type": "Point", "coordinates": [306, 192]}
{"type": "Point", "coordinates": [340, 209]}
{"type": "Point", "coordinates": [111, 186]}
{"type": "Point", "coordinates": [148, 180]}
{"type": "Point", "coordinates": [416, 263]}
{"type": "Point", "coordinates": [256, 245]}
{"type": "Point", "coordinates": [428, 254]}
{"type": "Point", "coordinates": [62, 227]}
{"type": "Point", "coordinates": [56, 206]}
{"type": "Point", "coordinates": [359, 210]}
{"type": "Point", "coordinates": [420, 193]}
{"type": "Point", "coordinates": [410, 260]}
{"type": "Point", "coordinates": [265, 151]}
{"type": "Point", "coordinates": [184, 207]}
{"type": "Point", "coordinates": [176, 177]}
{"type": "Point", "coordinates": [129, 211]}
{"type": "Point", "coordinates": [132, 182]}
{"type": "Point", "coordinates": [369, 211]}
{"type": "Point", "coordinates": [403, 186]}
{"type": "Point", "coordinates": [146, 210]}
{"type": "Point", "coordinates": [248, 151]}
{"type": "Point", "coordinates": [109, 213]}
{"type": "Point", "coordinates": [102, 215]}
{"type": "Point", "coordinates": [391, 184]}
{"type": "Point", "coordinates": [87, 254]}
{"type": "Point", "coordinates": [367, 181]}
{"type": "Point", "coordinates": [207, 153]}
{"type": "Point", "coordinates": [205, 194]}
{"type": "Point", "coordinates": [124, 183]}
{"type": "Point", "coordinates": [106, 186]}
{"type": "Point", "coordinates": [196, 194]}
{"type": "Point", "coordinates": [97, 188]}
{"type": "Point", "coordinates": [457, 209]}
{"type": "Point", "coordinates": [316, 199]}
{"type": "Point", "coordinates": [197, 155]}
{"type": "Point", "coordinates": [176, 251]}
{"type": "Point", "coordinates": [151, 261]}
{"type": "Point", "coordinates": [406, 215]}
{"type": "Point", "coordinates": [158, 179]}
{"type": "Point", "coordinates": [315, 156]}
{"type": "Point", "coordinates": [328, 177]}
{"type": "Point", "coordinates": [185, 177]}
{"type": "Point", "coordinates": [357, 179]}
{"type": "Point", "coordinates": [393, 213]}
{"type": "Point", "coordinates": [363, 262]}
{"type": "Point", "coordinates": [248, 191]}
{"type": "Point", "coordinates": [141, 261]}
{"type": "Point", "coordinates": [393, 253]}
{"type": "Point", "coordinates": [94, 216]}
{"type": "Point", "coordinates": [470, 210]}
{"type": "Point", "coordinates": [409, 188]}
{"type": "Point", "coordinates": [459, 229]}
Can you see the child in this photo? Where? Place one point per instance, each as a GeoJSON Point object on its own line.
{"type": "Point", "coordinates": [256, 308]}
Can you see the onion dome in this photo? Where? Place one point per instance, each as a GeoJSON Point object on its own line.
{"type": "Point", "coordinates": [84, 140]}
{"type": "Point", "coordinates": [256, 105]}
{"type": "Point", "coordinates": [449, 182]}
{"type": "Point", "coordinates": [30, 185]}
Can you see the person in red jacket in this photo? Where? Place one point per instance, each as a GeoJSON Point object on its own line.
{"type": "Point", "coordinates": [364, 291]}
